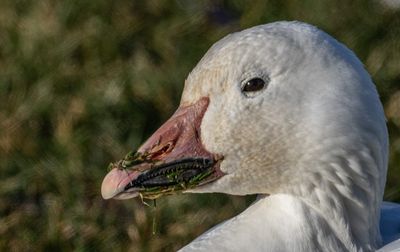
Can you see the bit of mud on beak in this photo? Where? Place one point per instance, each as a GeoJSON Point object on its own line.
{"type": "Point", "coordinates": [173, 159]}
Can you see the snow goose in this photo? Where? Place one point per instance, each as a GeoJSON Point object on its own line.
{"type": "Point", "coordinates": [284, 111]}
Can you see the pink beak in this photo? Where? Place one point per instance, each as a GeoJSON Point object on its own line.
{"type": "Point", "coordinates": [170, 160]}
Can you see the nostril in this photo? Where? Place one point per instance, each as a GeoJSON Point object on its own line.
{"type": "Point", "coordinates": [161, 150]}
{"type": "Point", "coordinates": [165, 148]}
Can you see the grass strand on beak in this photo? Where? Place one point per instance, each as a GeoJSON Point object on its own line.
{"type": "Point", "coordinates": [134, 158]}
{"type": "Point", "coordinates": [142, 199]}
{"type": "Point", "coordinates": [153, 213]}
{"type": "Point", "coordinates": [154, 226]}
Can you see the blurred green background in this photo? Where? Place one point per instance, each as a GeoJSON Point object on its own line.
{"type": "Point", "coordinates": [83, 82]}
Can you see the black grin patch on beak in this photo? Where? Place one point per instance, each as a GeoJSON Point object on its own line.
{"type": "Point", "coordinates": [173, 176]}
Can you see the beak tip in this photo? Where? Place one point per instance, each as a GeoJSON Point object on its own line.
{"type": "Point", "coordinates": [114, 183]}
{"type": "Point", "coordinates": [109, 186]}
{"type": "Point", "coordinates": [107, 191]}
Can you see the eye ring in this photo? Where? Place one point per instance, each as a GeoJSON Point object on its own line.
{"type": "Point", "coordinates": [253, 86]}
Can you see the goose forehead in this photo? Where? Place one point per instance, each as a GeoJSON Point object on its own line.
{"type": "Point", "coordinates": [245, 50]}
{"type": "Point", "coordinates": [274, 49]}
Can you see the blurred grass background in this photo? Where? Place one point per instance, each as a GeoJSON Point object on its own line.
{"type": "Point", "coordinates": [84, 82]}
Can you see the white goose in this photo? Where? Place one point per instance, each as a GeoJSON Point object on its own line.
{"type": "Point", "coordinates": [287, 112]}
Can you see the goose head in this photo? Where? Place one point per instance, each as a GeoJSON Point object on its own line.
{"type": "Point", "coordinates": [277, 108]}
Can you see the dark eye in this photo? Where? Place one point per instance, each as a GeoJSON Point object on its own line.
{"type": "Point", "coordinates": [253, 85]}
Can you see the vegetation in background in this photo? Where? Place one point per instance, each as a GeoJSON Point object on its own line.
{"type": "Point", "coordinates": [83, 82]}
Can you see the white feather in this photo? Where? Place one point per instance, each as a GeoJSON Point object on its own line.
{"type": "Point", "coordinates": [315, 140]}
